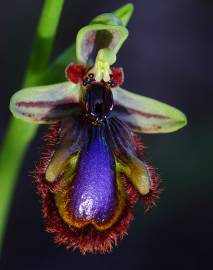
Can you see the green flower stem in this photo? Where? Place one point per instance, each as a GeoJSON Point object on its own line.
{"type": "Point", "coordinates": [20, 134]}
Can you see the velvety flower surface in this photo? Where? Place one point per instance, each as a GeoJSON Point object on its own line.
{"type": "Point", "coordinates": [93, 170]}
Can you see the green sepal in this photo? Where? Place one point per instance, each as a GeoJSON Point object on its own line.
{"type": "Point", "coordinates": [145, 114]}
{"type": "Point", "coordinates": [55, 72]}
{"type": "Point", "coordinates": [120, 16]}
{"type": "Point", "coordinates": [124, 13]}
{"type": "Point", "coordinates": [93, 37]}
{"type": "Point", "coordinates": [43, 104]}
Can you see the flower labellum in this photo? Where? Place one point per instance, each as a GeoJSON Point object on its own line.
{"type": "Point", "coordinates": [93, 169]}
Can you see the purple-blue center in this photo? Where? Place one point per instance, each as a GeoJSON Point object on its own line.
{"type": "Point", "coordinates": [93, 194]}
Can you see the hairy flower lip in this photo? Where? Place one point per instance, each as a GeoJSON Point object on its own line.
{"type": "Point", "coordinates": [93, 169]}
{"type": "Point", "coordinates": [78, 239]}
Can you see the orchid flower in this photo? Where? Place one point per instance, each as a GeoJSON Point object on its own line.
{"type": "Point", "coordinates": [93, 169]}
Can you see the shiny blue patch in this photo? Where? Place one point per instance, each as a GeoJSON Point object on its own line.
{"type": "Point", "coordinates": [93, 194]}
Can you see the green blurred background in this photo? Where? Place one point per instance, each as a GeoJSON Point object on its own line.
{"type": "Point", "coordinates": [168, 56]}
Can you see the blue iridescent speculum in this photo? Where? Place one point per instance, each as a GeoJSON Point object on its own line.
{"type": "Point", "coordinates": [93, 170]}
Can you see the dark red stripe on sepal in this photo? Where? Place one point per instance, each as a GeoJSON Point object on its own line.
{"type": "Point", "coordinates": [45, 104]}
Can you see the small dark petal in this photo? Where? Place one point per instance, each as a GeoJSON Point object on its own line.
{"type": "Point", "coordinates": [75, 72]}
{"type": "Point", "coordinates": [118, 76]}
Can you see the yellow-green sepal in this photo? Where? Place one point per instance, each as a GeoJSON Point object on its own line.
{"type": "Point", "coordinates": [93, 37]}
{"type": "Point", "coordinates": [146, 115]}
{"type": "Point", "coordinates": [124, 13]}
{"type": "Point", "coordinates": [43, 104]}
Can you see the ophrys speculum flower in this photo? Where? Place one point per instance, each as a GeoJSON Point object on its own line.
{"type": "Point", "coordinates": [93, 169]}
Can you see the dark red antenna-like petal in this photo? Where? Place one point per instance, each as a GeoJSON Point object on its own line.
{"type": "Point", "coordinates": [75, 72]}
{"type": "Point", "coordinates": [118, 76]}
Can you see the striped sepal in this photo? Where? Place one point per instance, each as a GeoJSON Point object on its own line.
{"type": "Point", "coordinates": [45, 104]}
{"type": "Point", "coordinates": [145, 114]}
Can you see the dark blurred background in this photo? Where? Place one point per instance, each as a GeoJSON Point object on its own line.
{"type": "Point", "coordinates": [168, 56]}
